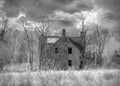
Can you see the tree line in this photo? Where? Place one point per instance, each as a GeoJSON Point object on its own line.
{"type": "Point", "coordinates": [28, 44]}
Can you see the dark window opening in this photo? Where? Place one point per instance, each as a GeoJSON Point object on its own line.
{"type": "Point", "coordinates": [69, 50]}
{"type": "Point", "coordinates": [69, 62]}
{"type": "Point", "coordinates": [56, 50]}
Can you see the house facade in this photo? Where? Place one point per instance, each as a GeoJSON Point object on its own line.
{"type": "Point", "coordinates": [66, 51]}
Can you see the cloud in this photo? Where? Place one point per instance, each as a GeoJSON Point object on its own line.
{"type": "Point", "coordinates": [66, 22]}
{"type": "Point", "coordinates": [11, 8]}
{"type": "Point", "coordinates": [66, 19]}
{"type": "Point", "coordinates": [113, 6]}
{"type": "Point", "coordinates": [34, 8]}
{"type": "Point", "coordinates": [79, 5]}
{"type": "Point", "coordinates": [38, 8]}
{"type": "Point", "coordinates": [107, 12]}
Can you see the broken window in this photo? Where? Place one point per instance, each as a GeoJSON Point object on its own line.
{"type": "Point", "coordinates": [69, 62]}
{"type": "Point", "coordinates": [69, 50]}
{"type": "Point", "coordinates": [56, 50]}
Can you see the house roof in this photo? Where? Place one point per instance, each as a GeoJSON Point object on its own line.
{"type": "Point", "coordinates": [76, 41]}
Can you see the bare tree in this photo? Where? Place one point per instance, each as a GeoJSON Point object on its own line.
{"type": "Point", "coordinates": [100, 37]}
{"type": "Point", "coordinates": [84, 44]}
{"type": "Point", "coordinates": [5, 46]}
{"type": "Point", "coordinates": [97, 39]}
{"type": "Point", "coordinates": [29, 43]}
{"type": "Point", "coordinates": [15, 44]}
{"type": "Point", "coordinates": [41, 32]}
{"type": "Point", "coordinates": [4, 27]}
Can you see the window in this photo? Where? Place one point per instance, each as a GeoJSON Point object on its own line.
{"type": "Point", "coordinates": [69, 50]}
{"type": "Point", "coordinates": [69, 62]}
{"type": "Point", "coordinates": [56, 50]}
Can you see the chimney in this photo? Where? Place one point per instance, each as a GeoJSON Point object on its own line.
{"type": "Point", "coordinates": [81, 34]}
{"type": "Point", "coordinates": [63, 32]}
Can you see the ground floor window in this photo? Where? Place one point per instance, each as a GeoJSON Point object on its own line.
{"type": "Point", "coordinates": [69, 62]}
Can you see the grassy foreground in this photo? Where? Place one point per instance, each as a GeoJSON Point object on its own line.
{"type": "Point", "coordinates": [62, 78]}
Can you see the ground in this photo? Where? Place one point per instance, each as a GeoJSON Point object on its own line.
{"type": "Point", "coordinates": [62, 78]}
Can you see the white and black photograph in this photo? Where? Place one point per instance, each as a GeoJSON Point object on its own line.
{"type": "Point", "coordinates": [59, 42]}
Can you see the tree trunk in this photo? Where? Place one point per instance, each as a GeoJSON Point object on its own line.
{"type": "Point", "coordinates": [31, 56]}
{"type": "Point", "coordinates": [41, 49]}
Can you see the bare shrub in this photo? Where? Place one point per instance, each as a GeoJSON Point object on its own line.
{"type": "Point", "coordinates": [62, 78]}
{"type": "Point", "coordinates": [49, 64]}
{"type": "Point", "coordinates": [108, 76]}
{"type": "Point", "coordinates": [26, 83]}
{"type": "Point", "coordinates": [6, 80]}
{"type": "Point", "coordinates": [16, 68]}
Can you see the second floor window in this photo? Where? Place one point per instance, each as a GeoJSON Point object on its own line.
{"type": "Point", "coordinates": [56, 50]}
{"type": "Point", "coordinates": [69, 50]}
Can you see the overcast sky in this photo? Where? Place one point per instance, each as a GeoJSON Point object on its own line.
{"type": "Point", "coordinates": [102, 12]}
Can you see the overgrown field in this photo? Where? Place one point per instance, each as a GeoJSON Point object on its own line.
{"type": "Point", "coordinates": [62, 78]}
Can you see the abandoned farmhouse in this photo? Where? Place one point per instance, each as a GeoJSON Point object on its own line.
{"type": "Point", "coordinates": [66, 50]}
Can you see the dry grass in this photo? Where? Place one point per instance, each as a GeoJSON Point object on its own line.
{"type": "Point", "coordinates": [62, 78]}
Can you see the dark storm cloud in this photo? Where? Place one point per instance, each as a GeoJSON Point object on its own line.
{"type": "Point", "coordinates": [37, 8]}
{"type": "Point", "coordinates": [79, 5]}
{"type": "Point", "coordinates": [11, 8]}
{"type": "Point", "coordinates": [63, 1]}
{"type": "Point", "coordinates": [66, 22]}
{"type": "Point", "coordinates": [34, 8]}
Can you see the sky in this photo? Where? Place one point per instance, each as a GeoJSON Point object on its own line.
{"type": "Point", "coordinates": [68, 12]}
